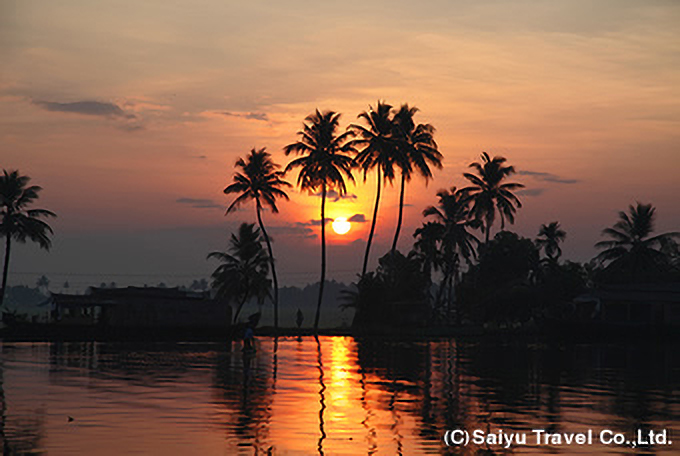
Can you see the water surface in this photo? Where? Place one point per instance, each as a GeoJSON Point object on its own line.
{"type": "Point", "coordinates": [333, 396]}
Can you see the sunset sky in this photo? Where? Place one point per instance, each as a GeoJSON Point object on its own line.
{"type": "Point", "coordinates": [131, 115]}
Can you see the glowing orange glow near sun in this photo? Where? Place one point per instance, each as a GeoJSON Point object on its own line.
{"type": "Point", "coordinates": [341, 225]}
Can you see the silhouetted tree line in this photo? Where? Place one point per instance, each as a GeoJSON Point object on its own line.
{"type": "Point", "coordinates": [449, 276]}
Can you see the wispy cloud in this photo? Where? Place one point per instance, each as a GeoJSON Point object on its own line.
{"type": "Point", "coordinates": [547, 177]}
{"type": "Point", "coordinates": [530, 192]}
{"type": "Point", "coordinates": [199, 203]}
{"type": "Point", "coordinates": [357, 218]}
{"type": "Point", "coordinates": [124, 120]}
{"type": "Point", "coordinates": [297, 229]}
{"type": "Point", "coordinates": [88, 108]}
{"type": "Point", "coordinates": [315, 222]}
{"type": "Point", "coordinates": [262, 116]}
{"type": "Point", "coordinates": [335, 196]}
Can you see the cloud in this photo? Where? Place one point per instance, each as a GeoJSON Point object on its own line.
{"type": "Point", "coordinates": [357, 218]}
{"type": "Point", "coordinates": [314, 222]}
{"type": "Point", "coordinates": [132, 127]}
{"type": "Point", "coordinates": [298, 229]}
{"type": "Point", "coordinates": [547, 177]}
{"type": "Point", "coordinates": [88, 108]}
{"type": "Point", "coordinates": [199, 203]}
{"type": "Point", "coordinates": [261, 116]}
{"type": "Point", "coordinates": [335, 196]}
{"type": "Point", "coordinates": [125, 121]}
{"type": "Point", "coordinates": [530, 192]}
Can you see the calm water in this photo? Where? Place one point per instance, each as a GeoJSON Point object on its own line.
{"type": "Point", "coordinates": [335, 396]}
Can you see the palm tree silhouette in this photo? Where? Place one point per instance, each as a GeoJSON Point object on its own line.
{"type": "Point", "coordinates": [416, 152]}
{"type": "Point", "coordinates": [452, 220]}
{"type": "Point", "coordinates": [323, 164]}
{"type": "Point", "coordinates": [379, 147]}
{"type": "Point", "coordinates": [631, 249]}
{"type": "Point", "coordinates": [549, 238]}
{"type": "Point", "coordinates": [489, 193]}
{"type": "Point", "coordinates": [17, 222]}
{"type": "Point", "coordinates": [244, 269]}
{"type": "Point", "coordinates": [260, 180]}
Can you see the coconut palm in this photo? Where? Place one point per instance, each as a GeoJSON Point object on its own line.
{"type": "Point", "coordinates": [427, 248]}
{"type": "Point", "coordinates": [17, 221]}
{"type": "Point", "coordinates": [549, 238]}
{"type": "Point", "coordinates": [453, 218]}
{"type": "Point", "coordinates": [259, 179]}
{"type": "Point", "coordinates": [491, 194]}
{"type": "Point", "coordinates": [416, 152]}
{"type": "Point", "coordinates": [324, 164]}
{"type": "Point", "coordinates": [244, 271]}
{"type": "Point", "coordinates": [379, 147]}
{"type": "Point", "coordinates": [631, 249]}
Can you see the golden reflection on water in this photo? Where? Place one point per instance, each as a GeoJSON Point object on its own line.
{"type": "Point", "coordinates": [330, 396]}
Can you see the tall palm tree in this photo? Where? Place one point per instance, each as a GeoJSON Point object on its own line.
{"type": "Point", "coordinates": [490, 193]}
{"type": "Point", "coordinates": [17, 221]}
{"type": "Point", "coordinates": [324, 164]}
{"type": "Point", "coordinates": [416, 152]}
{"type": "Point", "coordinates": [244, 269]}
{"type": "Point", "coordinates": [631, 248]}
{"type": "Point", "coordinates": [260, 180]}
{"type": "Point", "coordinates": [379, 147]}
{"type": "Point", "coordinates": [549, 238]}
{"type": "Point", "coordinates": [453, 217]}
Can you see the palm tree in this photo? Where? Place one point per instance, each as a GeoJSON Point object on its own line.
{"type": "Point", "coordinates": [631, 249]}
{"type": "Point", "coordinates": [489, 193]}
{"type": "Point", "coordinates": [324, 163]}
{"type": "Point", "coordinates": [244, 269]}
{"type": "Point", "coordinates": [453, 218]}
{"type": "Point", "coordinates": [416, 152]}
{"type": "Point", "coordinates": [426, 247]}
{"type": "Point", "coordinates": [379, 147]}
{"type": "Point", "coordinates": [549, 238]}
{"type": "Point", "coordinates": [260, 180]}
{"type": "Point", "coordinates": [17, 222]}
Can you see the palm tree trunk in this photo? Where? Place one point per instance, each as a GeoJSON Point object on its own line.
{"type": "Point", "coordinates": [323, 257]}
{"type": "Point", "coordinates": [401, 212]}
{"type": "Point", "coordinates": [240, 306]}
{"type": "Point", "coordinates": [488, 229]}
{"type": "Point", "coordinates": [440, 292]}
{"type": "Point", "coordinates": [271, 261]}
{"type": "Point", "coordinates": [5, 270]}
{"type": "Point", "coordinates": [373, 222]}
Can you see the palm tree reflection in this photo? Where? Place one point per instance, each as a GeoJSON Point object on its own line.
{"type": "Point", "coordinates": [322, 398]}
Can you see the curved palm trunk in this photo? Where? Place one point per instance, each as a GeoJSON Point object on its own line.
{"type": "Point", "coordinates": [323, 257]}
{"type": "Point", "coordinates": [271, 261]}
{"type": "Point", "coordinates": [401, 212]}
{"type": "Point", "coordinates": [5, 270]}
{"type": "Point", "coordinates": [373, 222]}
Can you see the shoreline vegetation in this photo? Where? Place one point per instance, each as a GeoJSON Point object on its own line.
{"type": "Point", "coordinates": [460, 276]}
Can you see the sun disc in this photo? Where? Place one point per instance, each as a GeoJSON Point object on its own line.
{"type": "Point", "coordinates": [341, 225]}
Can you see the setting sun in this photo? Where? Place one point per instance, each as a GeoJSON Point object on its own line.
{"type": "Point", "coordinates": [341, 225]}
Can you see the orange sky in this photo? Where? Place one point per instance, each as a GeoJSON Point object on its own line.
{"type": "Point", "coordinates": [131, 115]}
